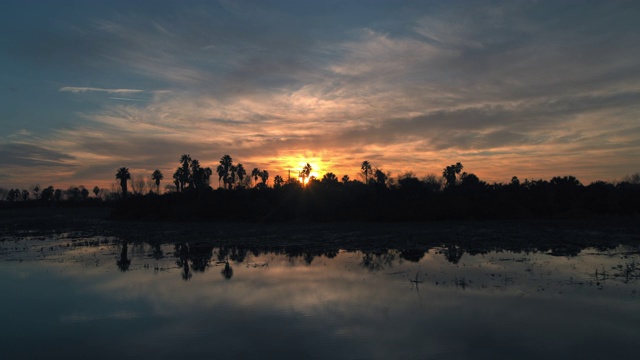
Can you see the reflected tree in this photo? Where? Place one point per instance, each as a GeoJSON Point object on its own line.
{"type": "Point", "coordinates": [453, 253]}
{"type": "Point", "coordinates": [157, 251]}
{"type": "Point", "coordinates": [308, 257]}
{"type": "Point", "coordinates": [227, 271]}
{"type": "Point", "coordinates": [375, 261]}
{"type": "Point", "coordinates": [124, 262]}
{"type": "Point", "coordinates": [181, 252]}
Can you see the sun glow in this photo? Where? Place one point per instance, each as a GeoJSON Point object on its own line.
{"type": "Point", "coordinates": [293, 166]}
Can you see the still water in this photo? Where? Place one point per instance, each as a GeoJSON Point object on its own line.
{"type": "Point", "coordinates": [78, 296]}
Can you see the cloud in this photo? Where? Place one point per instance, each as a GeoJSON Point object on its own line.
{"type": "Point", "coordinates": [75, 90]}
{"type": "Point", "coordinates": [29, 155]}
{"type": "Point", "coordinates": [506, 88]}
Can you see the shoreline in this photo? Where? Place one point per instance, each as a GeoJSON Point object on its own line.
{"type": "Point", "coordinates": [470, 235]}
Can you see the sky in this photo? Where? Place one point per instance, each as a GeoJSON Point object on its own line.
{"type": "Point", "coordinates": [534, 89]}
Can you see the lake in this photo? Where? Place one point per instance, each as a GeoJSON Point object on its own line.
{"type": "Point", "coordinates": [78, 295]}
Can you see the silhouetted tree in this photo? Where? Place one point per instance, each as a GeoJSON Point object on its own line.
{"type": "Point", "coordinates": [471, 181]}
{"type": "Point", "coordinates": [47, 193]}
{"type": "Point", "coordinates": [264, 176]}
{"type": "Point", "coordinates": [157, 177]}
{"type": "Point", "coordinates": [278, 181]}
{"type": "Point", "coordinates": [329, 178]}
{"type": "Point", "coordinates": [633, 179]}
{"type": "Point", "coordinates": [36, 190]}
{"type": "Point", "coordinates": [241, 172]}
{"type": "Point", "coordinates": [450, 172]}
{"type": "Point", "coordinates": [177, 179]}
{"type": "Point", "coordinates": [224, 169]}
{"type": "Point", "coordinates": [565, 182]}
{"type": "Point", "coordinates": [84, 193]}
{"type": "Point", "coordinates": [13, 195]}
{"type": "Point", "coordinates": [57, 195]}
{"type": "Point", "coordinates": [185, 174]}
{"type": "Point", "coordinates": [409, 183]}
{"type": "Point", "coordinates": [255, 173]}
{"type": "Point", "coordinates": [345, 179]}
{"type": "Point", "coordinates": [306, 171]}
{"type": "Point", "coordinates": [206, 175]}
{"type": "Point", "coordinates": [433, 183]}
{"type": "Point", "coordinates": [380, 177]}
{"type": "Point", "coordinates": [96, 191]}
{"type": "Point", "coordinates": [123, 175]}
{"type": "Point", "coordinates": [231, 179]}
{"type": "Point", "coordinates": [366, 170]}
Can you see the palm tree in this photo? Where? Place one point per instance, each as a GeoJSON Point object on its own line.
{"type": "Point", "coordinates": [450, 172]}
{"type": "Point", "coordinates": [366, 170]}
{"type": "Point", "coordinates": [197, 174]}
{"type": "Point", "coordinates": [179, 178]}
{"type": "Point", "coordinates": [231, 179]}
{"type": "Point", "coordinates": [264, 176]}
{"type": "Point", "coordinates": [255, 173]}
{"type": "Point", "coordinates": [330, 178]}
{"type": "Point", "coordinates": [123, 175]}
{"type": "Point", "coordinates": [277, 181]}
{"type": "Point", "coordinates": [226, 163]}
{"type": "Point", "coordinates": [157, 176]}
{"type": "Point", "coordinates": [185, 160]}
{"type": "Point", "coordinates": [207, 175]}
{"type": "Point", "coordinates": [176, 178]}
{"type": "Point", "coordinates": [306, 171]}
{"type": "Point", "coordinates": [241, 172]}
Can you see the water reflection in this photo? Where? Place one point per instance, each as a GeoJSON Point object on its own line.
{"type": "Point", "coordinates": [124, 262]}
{"type": "Point", "coordinates": [227, 272]}
{"type": "Point", "coordinates": [454, 300]}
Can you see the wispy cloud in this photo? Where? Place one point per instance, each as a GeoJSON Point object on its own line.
{"type": "Point", "coordinates": [75, 90]}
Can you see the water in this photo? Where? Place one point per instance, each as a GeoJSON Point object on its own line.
{"type": "Point", "coordinates": [81, 296]}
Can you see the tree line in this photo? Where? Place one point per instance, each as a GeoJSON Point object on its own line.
{"type": "Point", "coordinates": [240, 195]}
{"type": "Point", "coordinates": [376, 196]}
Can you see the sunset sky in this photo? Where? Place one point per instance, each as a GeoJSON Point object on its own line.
{"type": "Point", "coordinates": [528, 88]}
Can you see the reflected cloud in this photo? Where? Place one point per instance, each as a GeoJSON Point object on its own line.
{"type": "Point", "coordinates": [359, 301]}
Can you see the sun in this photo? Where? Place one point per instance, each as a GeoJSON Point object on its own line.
{"type": "Point", "coordinates": [292, 165]}
{"type": "Point", "coordinates": [314, 173]}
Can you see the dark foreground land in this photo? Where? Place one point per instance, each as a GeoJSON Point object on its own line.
{"type": "Point", "coordinates": [561, 237]}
